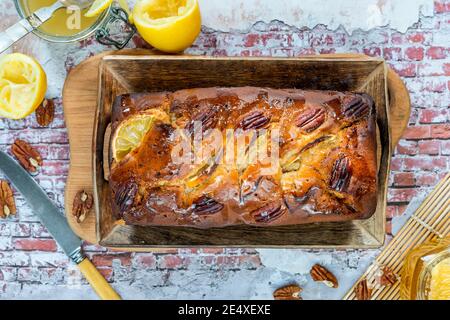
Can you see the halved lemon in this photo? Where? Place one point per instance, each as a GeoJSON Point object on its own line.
{"type": "Point", "coordinates": [130, 134]}
{"type": "Point", "coordinates": [97, 8]}
{"type": "Point", "coordinates": [168, 25]}
{"type": "Point", "coordinates": [23, 84]}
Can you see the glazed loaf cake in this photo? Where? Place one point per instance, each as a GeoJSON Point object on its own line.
{"type": "Point", "coordinates": [324, 167]}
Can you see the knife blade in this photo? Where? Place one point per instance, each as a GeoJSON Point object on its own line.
{"type": "Point", "coordinates": [41, 205]}
{"type": "Point", "coordinates": [55, 222]}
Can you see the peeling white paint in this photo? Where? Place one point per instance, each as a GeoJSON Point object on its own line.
{"type": "Point", "coordinates": [351, 14]}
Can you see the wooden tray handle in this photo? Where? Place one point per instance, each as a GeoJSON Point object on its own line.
{"type": "Point", "coordinates": [399, 106]}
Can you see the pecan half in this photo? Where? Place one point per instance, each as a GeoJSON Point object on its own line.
{"type": "Point", "coordinates": [206, 117]}
{"type": "Point", "coordinates": [388, 278]}
{"type": "Point", "coordinates": [254, 120]}
{"type": "Point", "coordinates": [206, 205]}
{"type": "Point", "coordinates": [82, 205]}
{"type": "Point", "coordinates": [357, 106]}
{"type": "Point", "coordinates": [362, 290]}
{"type": "Point", "coordinates": [27, 156]}
{"type": "Point", "coordinates": [321, 274]}
{"type": "Point", "coordinates": [268, 213]}
{"type": "Point", "coordinates": [125, 195]}
{"type": "Point", "coordinates": [311, 119]}
{"type": "Point", "coordinates": [7, 203]}
{"type": "Point", "coordinates": [290, 292]}
{"type": "Point", "coordinates": [340, 174]}
{"type": "Point", "coordinates": [45, 113]}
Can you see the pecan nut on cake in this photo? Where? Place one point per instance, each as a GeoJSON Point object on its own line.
{"type": "Point", "coordinates": [214, 157]}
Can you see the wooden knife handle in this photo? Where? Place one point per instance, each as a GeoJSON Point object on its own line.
{"type": "Point", "coordinates": [97, 281]}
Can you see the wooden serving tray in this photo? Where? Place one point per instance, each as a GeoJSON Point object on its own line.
{"type": "Point", "coordinates": [80, 104]}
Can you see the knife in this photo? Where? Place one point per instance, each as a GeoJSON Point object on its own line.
{"type": "Point", "coordinates": [56, 224]}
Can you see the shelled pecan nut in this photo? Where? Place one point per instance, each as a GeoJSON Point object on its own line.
{"type": "Point", "coordinates": [290, 292]}
{"type": "Point", "coordinates": [254, 120]}
{"type": "Point", "coordinates": [268, 213]}
{"type": "Point", "coordinates": [362, 290]}
{"type": "Point", "coordinates": [7, 203]}
{"type": "Point", "coordinates": [340, 174]}
{"type": "Point", "coordinates": [207, 118]}
{"type": "Point", "coordinates": [45, 113]}
{"type": "Point", "coordinates": [311, 119]}
{"type": "Point", "coordinates": [321, 274]}
{"type": "Point", "coordinates": [82, 205]}
{"type": "Point", "coordinates": [27, 156]}
{"type": "Point", "coordinates": [388, 278]}
{"type": "Point", "coordinates": [125, 195]}
{"type": "Point", "coordinates": [206, 205]}
{"type": "Point", "coordinates": [357, 106]}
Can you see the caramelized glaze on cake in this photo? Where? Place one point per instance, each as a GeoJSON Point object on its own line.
{"type": "Point", "coordinates": [326, 169]}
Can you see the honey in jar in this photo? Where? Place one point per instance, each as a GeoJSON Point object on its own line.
{"type": "Point", "coordinates": [64, 22]}
{"type": "Point", "coordinates": [426, 272]}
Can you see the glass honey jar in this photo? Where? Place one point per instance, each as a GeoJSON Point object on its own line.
{"type": "Point", "coordinates": [426, 272]}
{"type": "Point", "coordinates": [69, 25]}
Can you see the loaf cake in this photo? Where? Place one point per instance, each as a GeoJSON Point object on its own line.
{"type": "Point", "coordinates": [324, 168]}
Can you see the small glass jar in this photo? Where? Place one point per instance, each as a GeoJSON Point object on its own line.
{"type": "Point", "coordinates": [101, 27]}
{"type": "Point", "coordinates": [426, 272]}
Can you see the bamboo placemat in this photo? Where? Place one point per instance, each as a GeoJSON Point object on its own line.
{"type": "Point", "coordinates": [431, 220]}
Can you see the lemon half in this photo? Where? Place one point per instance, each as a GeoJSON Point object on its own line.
{"type": "Point", "coordinates": [97, 8]}
{"type": "Point", "coordinates": [168, 25]}
{"type": "Point", "coordinates": [23, 84]}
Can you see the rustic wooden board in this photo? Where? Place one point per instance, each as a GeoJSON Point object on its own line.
{"type": "Point", "coordinates": [80, 101]}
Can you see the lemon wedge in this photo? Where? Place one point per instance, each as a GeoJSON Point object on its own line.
{"type": "Point", "coordinates": [168, 25]}
{"type": "Point", "coordinates": [23, 84]}
{"type": "Point", "coordinates": [130, 134]}
{"type": "Point", "coordinates": [97, 8]}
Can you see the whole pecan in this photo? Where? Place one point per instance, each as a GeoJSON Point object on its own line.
{"type": "Point", "coordinates": [206, 117]}
{"type": "Point", "coordinates": [290, 292]}
{"type": "Point", "coordinates": [254, 120]}
{"type": "Point", "coordinates": [7, 203]}
{"type": "Point", "coordinates": [268, 213]}
{"type": "Point", "coordinates": [321, 274]}
{"type": "Point", "coordinates": [45, 113]}
{"type": "Point", "coordinates": [206, 205]}
{"type": "Point", "coordinates": [340, 174]}
{"type": "Point", "coordinates": [27, 156]}
{"type": "Point", "coordinates": [311, 119]}
{"type": "Point", "coordinates": [388, 278]}
{"type": "Point", "coordinates": [82, 205]}
{"type": "Point", "coordinates": [362, 290]}
{"type": "Point", "coordinates": [357, 106]}
{"type": "Point", "coordinates": [125, 195]}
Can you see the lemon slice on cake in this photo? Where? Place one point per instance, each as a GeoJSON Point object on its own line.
{"type": "Point", "coordinates": [23, 84]}
{"type": "Point", "coordinates": [168, 25]}
{"type": "Point", "coordinates": [130, 134]}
